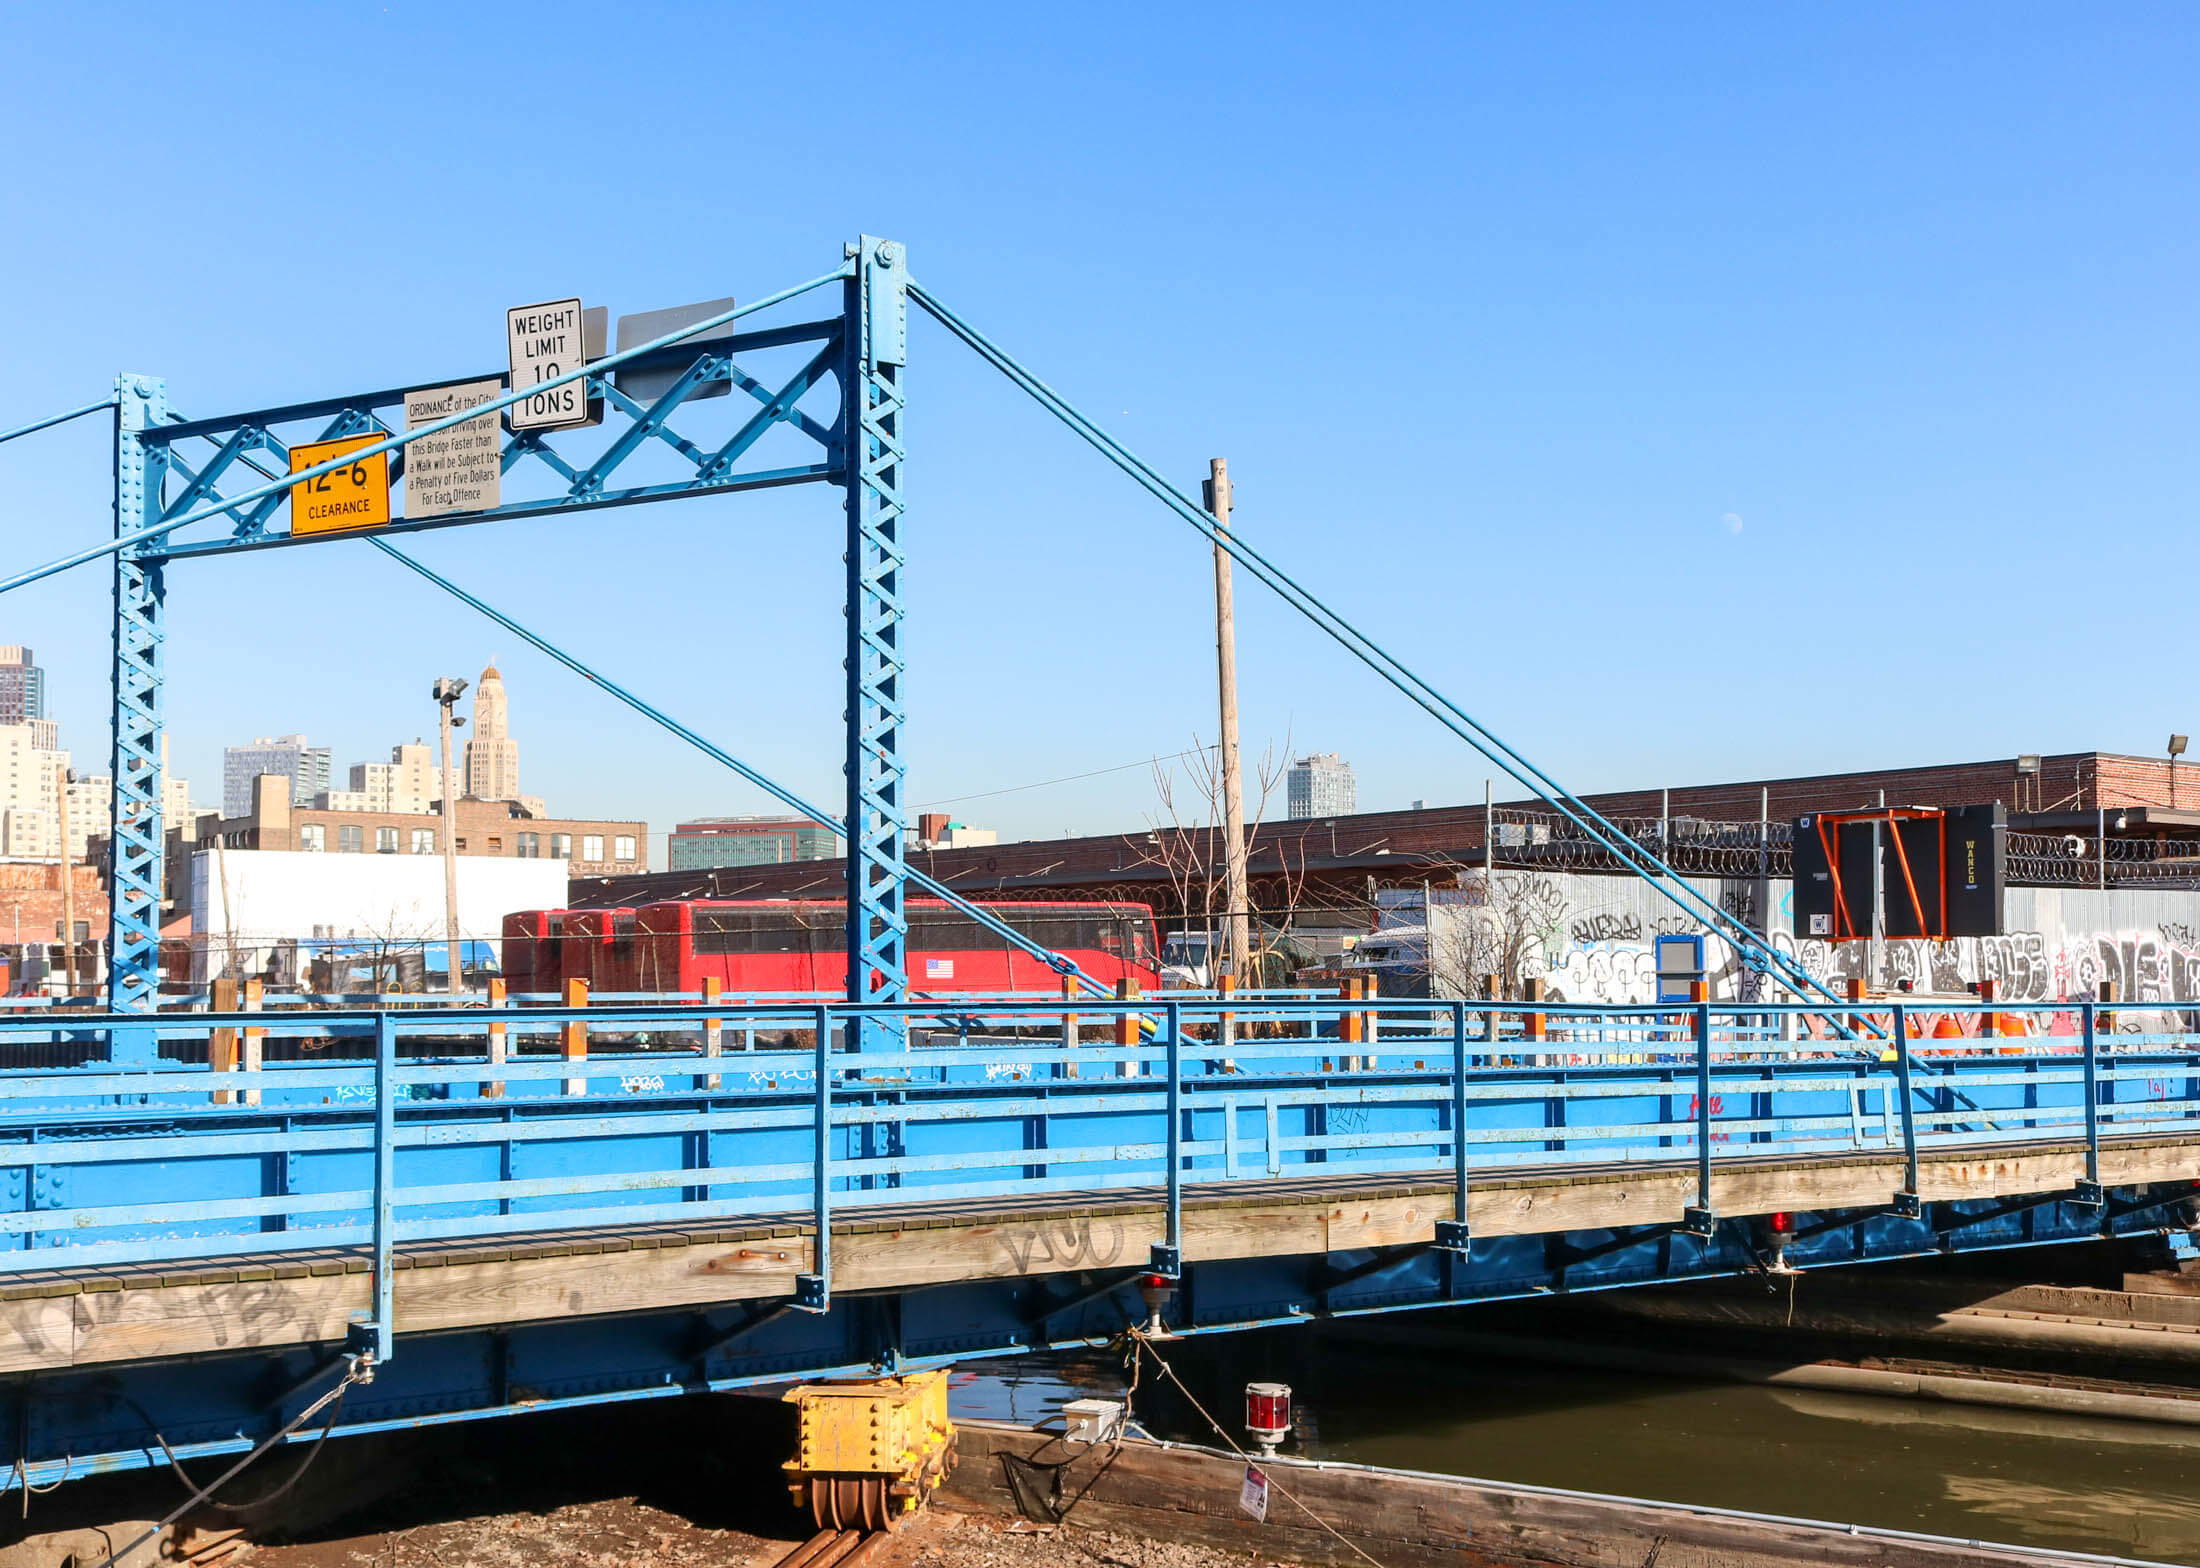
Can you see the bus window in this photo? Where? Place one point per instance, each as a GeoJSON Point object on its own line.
{"type": "Point", "coordinates": [790, 930]}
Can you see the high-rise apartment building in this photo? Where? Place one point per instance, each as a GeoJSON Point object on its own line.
{"type": "Point", "coordinates": [307, 768]}
{"type": "Point", "coordinates": [748, 841]}
{"type": "Point", "coordinates": [31, 778]}
{"type": "Point", "coordinates": [1320, 785]}
{"type": "Point", "coordinates": [22, 686]}
{"type": "Point", "coordinates": [492, 756]}
{"type": "Point", "coordinates": [91, 811]}
{"type": "Point", "coordinates": [409, 782]}
{"type": "Point", "coordinates": [175, 799]}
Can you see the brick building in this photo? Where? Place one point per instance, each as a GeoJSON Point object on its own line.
{"type": "Point", "coordinates": [485, 827]}
{"type": "Point", "coordinates": [1336, 861]}
{"type": "Point", "coordinates": [591, 847]}
{"type": "Point", "coordinates": [31, 919]}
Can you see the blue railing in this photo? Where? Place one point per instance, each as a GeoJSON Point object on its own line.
{"type": "Point", "coordinates": [274, 1132]}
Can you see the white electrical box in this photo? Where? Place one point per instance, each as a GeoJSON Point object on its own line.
{"type": "Point", "coordinates": [1093, 1421]}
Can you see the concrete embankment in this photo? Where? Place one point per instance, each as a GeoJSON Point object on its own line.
{"type": "Point", "coordinates": [1408, 1519]}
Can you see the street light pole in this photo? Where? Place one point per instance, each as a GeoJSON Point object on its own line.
{"type": "Point", "coordinates": [447, 690]}
{"type": "Point", "coordinates": [1237, 896]}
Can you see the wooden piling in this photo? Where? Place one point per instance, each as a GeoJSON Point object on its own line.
{"type": "Point", "coordinates": [576, 1034]}
{"type": "Point", "coordinates": [255, 1038]}
{"type": "Point", "coordinates": [221, 1044]}
{"type": "Point", "coordinates": [493, 1089]}
{"type": "Point", "coordinates": [714, 1029]}
{"type": "Point", "coordinates": [1126, 1027]}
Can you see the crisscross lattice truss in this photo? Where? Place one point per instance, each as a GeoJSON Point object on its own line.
{"type": "Point", "coordinates": [782, 425]}
{"type": "Point", "coordinates": [726, 410]}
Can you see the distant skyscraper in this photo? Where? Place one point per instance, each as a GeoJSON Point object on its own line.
{"type": "Point", "coordinates": [22, 686]}
{"type": "Point", "coordinates": [492, 756]}
{"type": "Point", "coordinates": [307, 768]}
{"type": "Point", "coordinates": [1321, 786]}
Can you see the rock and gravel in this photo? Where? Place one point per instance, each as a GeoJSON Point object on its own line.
{"type": "Point", "coordinates": [628, 1533]}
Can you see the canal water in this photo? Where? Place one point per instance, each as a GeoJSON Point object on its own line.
{"type": "Point", "coordinates": [2118, 1487]}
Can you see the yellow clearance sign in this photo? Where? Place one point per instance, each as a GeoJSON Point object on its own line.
{"type": "Point", "coordinates": [357, 496]}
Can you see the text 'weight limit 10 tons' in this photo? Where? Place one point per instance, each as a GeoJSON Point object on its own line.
{"type": "Point", "coordinates": [546, 343]}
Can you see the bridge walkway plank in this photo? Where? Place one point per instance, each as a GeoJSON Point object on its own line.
{"type": "Point", "coordinates": [65, 1317]}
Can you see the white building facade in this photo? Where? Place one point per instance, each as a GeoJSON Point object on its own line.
{"type": "Point", "coordinates": [357, 922]}
{"type": "Point", "coordinates": [1321, 785]}
{"type": "Point", "coordinates": [410, 782]}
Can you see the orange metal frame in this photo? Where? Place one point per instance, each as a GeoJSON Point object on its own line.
{"type": "Point", "coordinates": [1830, 824]}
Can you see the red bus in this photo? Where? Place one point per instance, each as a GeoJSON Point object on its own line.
{"type": "Point", "coordinates": [533, 957]}
{"type": "Point", "coordinates": [765, 945]}
{"type": "Point", "coordinates": [599, 947]}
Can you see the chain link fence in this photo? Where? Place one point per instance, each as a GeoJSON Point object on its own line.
{"type": "Point", "coordinates": [1696, 846]}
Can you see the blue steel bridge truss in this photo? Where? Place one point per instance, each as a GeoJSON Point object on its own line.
{"type": "Point", "coordinates": [858, 443]}
{"type": "Point", "coordinates": [394, 1148]}
{"type": "Point", "coordinates": [382, 1139]}
{"type": "Point", "coordinates": [833, 417]}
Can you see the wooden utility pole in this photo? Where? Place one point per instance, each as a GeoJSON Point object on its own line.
{"type": "Point", "coordinates": [1237, 933]}
{"type": "Point", "coordinates": [68, 881]}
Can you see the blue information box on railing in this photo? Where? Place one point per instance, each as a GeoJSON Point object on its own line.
{"type": "Point", "coordinates": [1680, 966]}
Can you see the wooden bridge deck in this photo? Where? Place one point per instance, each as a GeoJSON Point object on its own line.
{"type": "Point", "coordinates": [60, 1318]}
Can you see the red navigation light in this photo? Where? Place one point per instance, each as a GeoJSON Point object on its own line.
{"type": "Point", "coordinates": [1268, 1413]}
{"type": "Point", "coordinates": [1783, 1224]}
{"type": "Point", "coordinates": [1156, 1282]}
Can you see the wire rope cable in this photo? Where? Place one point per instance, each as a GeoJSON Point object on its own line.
{"type": "Point", "coordinates": [360, 1369]}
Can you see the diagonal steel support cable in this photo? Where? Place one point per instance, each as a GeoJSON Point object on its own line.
{"type": "Point", "coordinates": [56, 419]}
{"type": "Point", "coordinates": [1652, 868]}
{"type": "Point", "coordinates": [762, 781]}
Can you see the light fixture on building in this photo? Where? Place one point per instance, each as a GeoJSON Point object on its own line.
{"type": "Point", "coordinates": [2176, 750]}
{"type": "Point", "coordinates": [2029, 762]}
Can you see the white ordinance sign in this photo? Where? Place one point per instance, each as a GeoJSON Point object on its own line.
{"type": "Point", "coordinates": [1253, 1494]}
{"type": "Point", "coordinates": [545, 341]}
{"type": "Point", "coordinates": [462, 469]}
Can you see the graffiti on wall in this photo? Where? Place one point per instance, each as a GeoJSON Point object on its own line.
{"type": "Point", "coordinates": [2025, 966]}
{"type": "Point", "coordinates": [1589, 942]}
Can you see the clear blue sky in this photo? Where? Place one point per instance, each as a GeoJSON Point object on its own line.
{"type": "Point", "coordinates": [1691, 391]}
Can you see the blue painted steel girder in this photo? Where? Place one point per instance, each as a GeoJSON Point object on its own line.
{"type": "Point", "coordinates": [70, 1425]}
{"type": "Point", "coordinates": [585, 485]}
{"type": "Point", "coordinates": [876, 343]}
{"type": "Point", "coordinates": [133, 983]}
